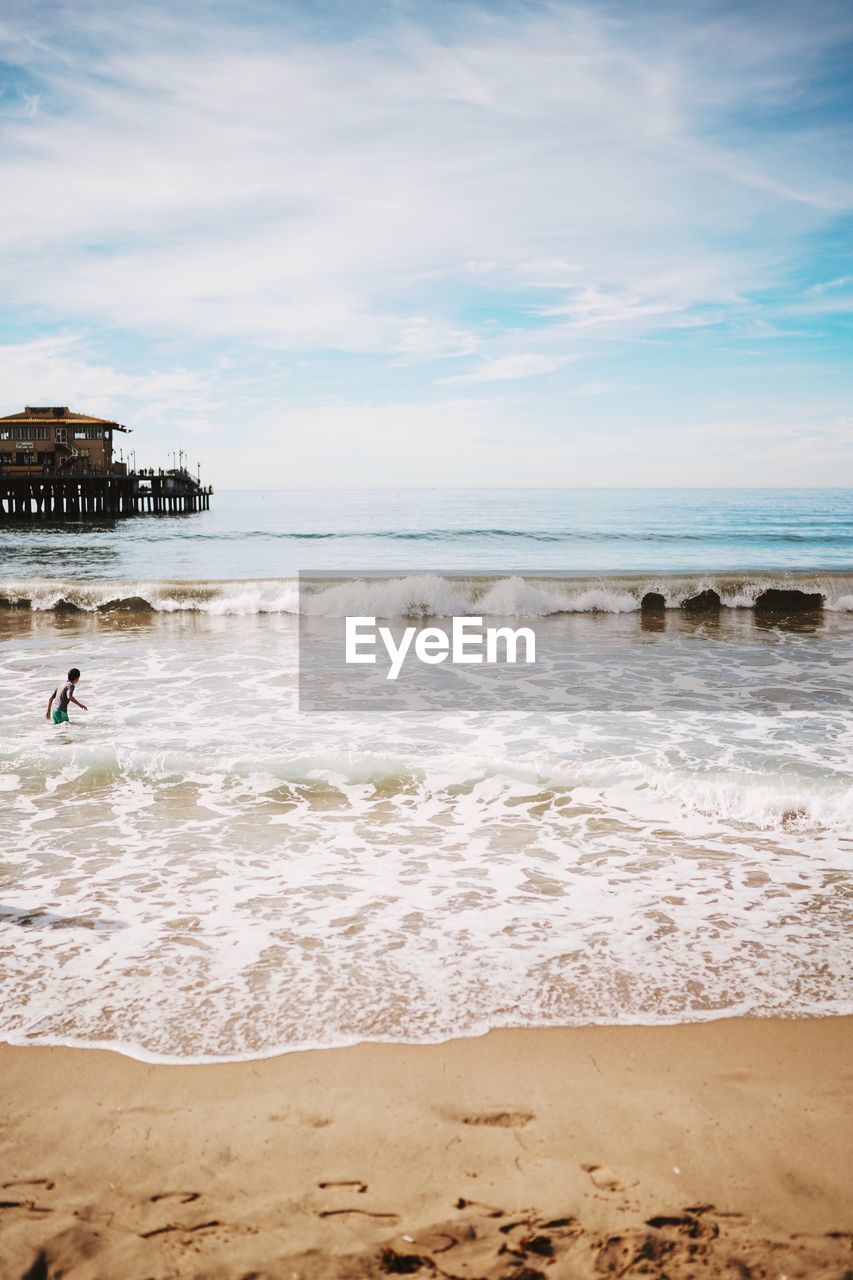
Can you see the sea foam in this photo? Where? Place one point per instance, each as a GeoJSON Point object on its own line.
{"type": "Point", "coordinates": [436, 595]}
{"type": "Point", "coordinates": [195, 870]}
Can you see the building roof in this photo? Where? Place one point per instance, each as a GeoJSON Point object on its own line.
{"type": "Point", "coordinates": [60, 414]}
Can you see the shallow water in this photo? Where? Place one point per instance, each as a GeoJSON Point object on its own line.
{"type": "Point", "coordinates": [196, 869]}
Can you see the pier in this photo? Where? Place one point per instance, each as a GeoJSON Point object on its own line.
{"type": "Point", "coordinates": [56, 464]}
{"type": "Point", "coordinates": [47, 497]}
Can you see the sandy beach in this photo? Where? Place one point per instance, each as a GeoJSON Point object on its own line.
{"type": "Point", "coordinates": [721, 1149]}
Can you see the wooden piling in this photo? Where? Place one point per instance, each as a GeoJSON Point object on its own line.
{"type": "Point", "coordinates": [31, 497]}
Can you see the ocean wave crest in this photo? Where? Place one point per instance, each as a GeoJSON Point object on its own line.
{"type": "Point", "coordinates": [439, 595]}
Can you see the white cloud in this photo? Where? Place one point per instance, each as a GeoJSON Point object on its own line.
{"type": "Point", "coordinates": [839, 283]}
{"type": "Point", "coordinates": [470, 196]}
{"type": "Point", "coordinates": [246, 182]}
{"type": "Point", "coordinates": [507, 368]}
{"type": "Point", "coordinates": [476, 442]}
{"type": "Point", "coordinates": [60, 370]}
{"type": "Point", "coordinates": [596, 387]}
{"type": "Point", "coordinates": [420, 337]}
{"type": "Point", "coordinates": [339, 444]}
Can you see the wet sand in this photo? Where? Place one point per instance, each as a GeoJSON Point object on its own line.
{"type": "Point", "coordinates": [724, 1149]}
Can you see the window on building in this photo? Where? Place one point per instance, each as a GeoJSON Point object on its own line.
{"type": "Point", "coordinates": [25, 433]}
{"type": "Point", "coordinates": [88, 433]}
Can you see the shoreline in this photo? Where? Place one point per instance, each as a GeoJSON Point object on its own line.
{"type": "Point", "coordinates": [135, 1053]}
{"type": "Point", "coordinates": [564, 1152]}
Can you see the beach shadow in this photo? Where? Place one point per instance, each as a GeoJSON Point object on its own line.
{"type": "Point", "coordinates": [37, 918]}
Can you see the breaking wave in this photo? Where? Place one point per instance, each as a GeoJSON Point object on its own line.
{"type": "Point", "coordinates": [437, 595]}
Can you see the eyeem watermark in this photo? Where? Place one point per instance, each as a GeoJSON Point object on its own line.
{"type": "Point", "coordinates": [467, 643]}
{"type": "Point", "coordinates": [413, 641]}
{"type": "Point", "coordinates": [444, 644]}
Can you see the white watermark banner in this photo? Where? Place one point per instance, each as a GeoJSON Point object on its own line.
{"type": "Point", "coordinates": [484, 642]}
{"type": "Point", "coordinates": [409, 640]}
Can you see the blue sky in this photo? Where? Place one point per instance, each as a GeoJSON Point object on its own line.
{"type": "Point", "coordinates": [436, 244]}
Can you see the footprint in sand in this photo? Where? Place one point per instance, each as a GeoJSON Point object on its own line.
{"type": "Point", "coordinates": [301, 1119]}
{"type": "Point", "coordinates": [362, 1213]}
{"type": "Point", "coordinates": [686, 1224]}
{"type": "Point", "coordinates": [500, 1119]}
{"type": "Point", "coordinates": [183, 1230]}
{"type": "Point", "coordinates": [602, 1177]}
{"type": "Point", "coordinates": [360, 1188]}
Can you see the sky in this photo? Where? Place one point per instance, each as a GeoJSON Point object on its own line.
{"type": "Point", "coordinates": [436, 244]}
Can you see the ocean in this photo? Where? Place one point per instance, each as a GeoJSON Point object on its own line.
{"type": "Point", "coordinates": [196, 869]}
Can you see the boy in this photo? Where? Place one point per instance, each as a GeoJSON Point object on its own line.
{"type": "Point", "coordinates": [64, 694]}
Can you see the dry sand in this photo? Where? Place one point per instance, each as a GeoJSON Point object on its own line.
{"type": "Point", "coordinates": [714, 1150]}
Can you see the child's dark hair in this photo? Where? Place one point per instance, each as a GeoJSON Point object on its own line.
{"type": "Point", "coordinates": [74, 673]}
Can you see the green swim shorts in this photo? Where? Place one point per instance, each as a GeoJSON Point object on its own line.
{"type": "Point", "coordinates": [60, 717]}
